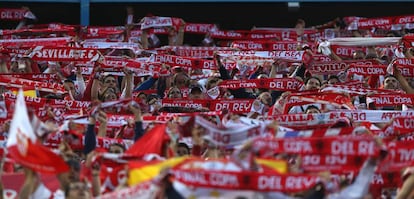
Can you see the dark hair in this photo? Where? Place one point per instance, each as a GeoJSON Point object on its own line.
{"type": "Point", "coordinates": [142, 93]}
{"type": "Point", "coordinates": [181, 73]}
{"type": "Point", "coordinates": [182, 144]}
{"type": "Point", "coordinates": [333, 77]}
{"type": "Point", "coordinates": [393, 33]}
{"type": "Point", "coordinates": [118, 144]}
{"type": "Point", "coordinates": [317, 192]}
{"type": "Point", "coordinates": [53, 96]}
{"type": "Point", "coordinates": [108, 75]}
{"type": "Point", "coordinates": [210, 81]}
{"type": "Point", "coordinates": [300, 21]}
{"type": "Point", "coordinates": [312, 107]}
{"type": "Point", "coordinates": [388, 76]}
{"type": "Point", "coordinates": [359, 51]}
{"type": "Point", "coordinates": [313, 77]}
{"type": "Point", "coordinates": [68, 81]}
{"type": "Point", "coordinates": [197, 88]}
{"type": "Point", "coordinates": [105, 93]}
{"type": "Point", "coordinates": [67, 187]}
{"type": "Point", "coordinates": [172, 88]}
{"type": "Point", "coordinates": [72, 163]}
{"type": "Point", "coordinates": [151, 97]}
{"type": "Point", "coordinates": [371, 56]}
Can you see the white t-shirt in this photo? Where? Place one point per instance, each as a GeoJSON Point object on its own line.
{"type": "Point", "coordinates": [42, 192]}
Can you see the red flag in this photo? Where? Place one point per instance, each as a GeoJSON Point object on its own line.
{"type": "Point", "coordinates": [23, 147]}
{"type": "Point", "coordinates": [150, 142]}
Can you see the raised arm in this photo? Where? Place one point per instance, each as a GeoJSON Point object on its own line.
{"type": "Point", "coordinates": [90, 136]}
{"type": "Point", "coordinates": [127, 84]}
{"type": "Point", "coordinates": [144, 39]}
{"type": "Point", "coordinates": [403, 82]}
{"type": "Point", "coordinates": [102, 118]}
{"type": "Point", "coordinates": [180, 35]}
{"type": "Point", "coordinates": [80, 85]}
{"type": "Point", "coordinates": [407, 187]}
{"type": "Point", "coordinates": [138, 129]}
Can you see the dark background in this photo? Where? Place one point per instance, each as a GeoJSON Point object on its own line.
{"type": "Point", "coordinates": [227, 15]}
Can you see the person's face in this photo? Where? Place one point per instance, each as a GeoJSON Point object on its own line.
{"type": "Point", "coordinates": [174, 93]}
{"type": "Point", "coordinates": [180, 81]}
{"type": "Point", "coordinates": [266, 98]}
{"type": "Point", "coordinates": [300, 25]}
{"type": "Point", "coordinates": [182, 151]}
{"type": "Point", "coordinates": [197, 72]}
{"type": "Point", "coordinates": [116, 149]}
{"type": "Point", "coordinates": [143, 98]}
{"type": "Point", "coordinates": [110, 82]}
{"type": "Point", "coordinates": [390, 83]}
{"type": "Point", "coordinates": [155, 104]}
{"type": "Point", "coordinates": [312, 84]}
{"type": "Point", "coordinates": [111, 96]}
{"type": "Point", "coordinates": [299, 28]}
{"type": "Point", "coordinates": [78, 190]}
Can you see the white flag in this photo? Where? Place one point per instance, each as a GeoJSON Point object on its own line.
{"type": "Point", "coordinates": [21, 130]}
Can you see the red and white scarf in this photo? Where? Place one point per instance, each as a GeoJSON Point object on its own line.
{"type": "Point", "coordinates": [284, 84]}
{"type": "Point", "coordinates": [194, 51]}
{"type": "Point", "coordinates": [391, 100]}
{"type": "Point", "coordinates": [13, 82]}
{"type": "Point", "coordinates": [14, 14]}
{"type": "Point", "coordinates": [333, 145]}
{"type": "Point", "coordinates": [17, 43]}
{"type": "Point", "coordinates": [266, 45]}
{"type": "Point", "coordinates": [41, 53]}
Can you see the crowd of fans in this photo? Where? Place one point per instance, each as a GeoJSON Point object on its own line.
{"type": "Point", "coordinates": [139, 104]}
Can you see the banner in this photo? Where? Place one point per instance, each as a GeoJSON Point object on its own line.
{"type": "Point", "coordinates": [344, 145]}
{"type": "Point", "coordinates": [18, 43]}
{"type": "Point", "coordinates": [244, 180]}
{"type": "Point", "coordinates": [41, 53]}
{"type": "Point", "coordinates": [282, 84]}
{"type": "Point", "coordinates": [373, 116]}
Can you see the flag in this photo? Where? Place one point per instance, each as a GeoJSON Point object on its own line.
{"type": "Point", "coordinates": [28, 91]}
{"type": "Point", "coordinates": [279, 166]}
{"type": "Point", "coordinates": [143, 171]}
{"type": "Point", "coordinates": [150, 142]}
{"type": "Point", "coordinates": [23, 147]}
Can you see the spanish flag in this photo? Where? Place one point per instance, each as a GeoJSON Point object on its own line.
{"type": "Point", "coordinates": [150, 142]}
{"type": "Point", "coordinates": [142, 171]}
{"type": "Point", "coordinates": [279, 166]}
{"type": "Point", "coordinates": [27, 91]}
